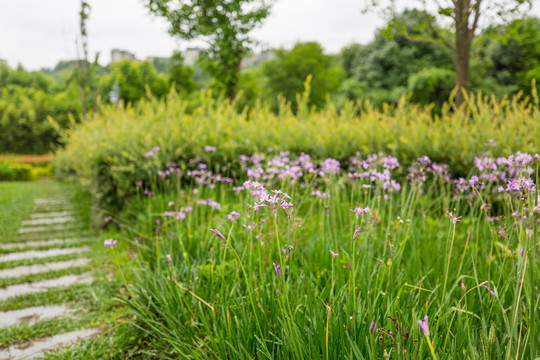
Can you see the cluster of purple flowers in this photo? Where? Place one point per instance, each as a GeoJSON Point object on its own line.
{"type": "Point", "coordinates": [377, 168]}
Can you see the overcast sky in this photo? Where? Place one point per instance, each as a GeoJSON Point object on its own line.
{"type": "Point", "coordinates": [39, 33]}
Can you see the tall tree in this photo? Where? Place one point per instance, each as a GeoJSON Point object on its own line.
{"type": "Point", "coordinates": [465, 19]}
{"type": "Point", "coordinates": [224, 24]}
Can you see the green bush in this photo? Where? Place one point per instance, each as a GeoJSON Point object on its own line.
{"type": "Point", "coordinates": [431, 85]}
{"type": "Point", "coordinates": [106, 151]}
{"type": "Point", "coordinates": [23, 172]}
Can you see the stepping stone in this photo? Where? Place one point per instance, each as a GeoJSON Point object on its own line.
{"type": "Point", "coordinates": [47, 221]}
{"type": "Point", "coordinates": [44, 285]}
{"type": "Point", "coordinates": [38, 348]}
{"type": "Point", "coordinates": [56, 235]}
{"type": "Point", "coordinates": [39, 254]}
{"type": "Point", "coordinates": [31, 315]}
{"type": "Point", "coordinates": [41, 268]}
{"type": "Point", "coordinates": [41, 215]}
{"type": "Point", "coordinates": [42, 243]}
{"type": "Point", "coordinates": [51, 201]}
{"type": "Point", "coordinates": [34, 229]}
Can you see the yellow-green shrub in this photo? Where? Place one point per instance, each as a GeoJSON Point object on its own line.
{"type": "Point", "coordinates": [106, 151]}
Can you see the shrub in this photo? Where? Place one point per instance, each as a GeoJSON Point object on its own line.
{"type": "Point", "coordinates": [106, 152]}
{"type": "Point", "coordinates": [23, 172]}
{"type": "Point", "coordinates": [431, 85]}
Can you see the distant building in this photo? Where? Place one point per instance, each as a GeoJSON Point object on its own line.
{"type": "Point", "coordinates": [117, 54]}
{"type": "Point", "coordinates": [191, 55]}
{"type": "Point", "coordinates": [258, 58]}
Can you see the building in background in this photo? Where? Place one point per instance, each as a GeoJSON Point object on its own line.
{"type": "Point", "coordinates": [191, 55]}
{"type": "Point", "coordinates": [117, 54]}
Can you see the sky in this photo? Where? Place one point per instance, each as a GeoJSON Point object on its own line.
{"type": "Point", "coordinates": [38, 33]}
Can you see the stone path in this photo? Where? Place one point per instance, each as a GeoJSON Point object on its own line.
{"type": "Point", "coordinates": [42, 237]}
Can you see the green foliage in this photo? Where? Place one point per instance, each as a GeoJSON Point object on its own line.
{"type": "Point", "coordinates": [224, 24]}
{"type": "Point", "coordinates": [27, 99]}
{"type": "Point", "coordinates": [287, 74]}
{"type": "Point", "coordinates": [132, 78]}
{"type": "Point", "coordinates": [23, 172]}
{"type": "Point", "coordinates": [180, 74]}
{"type": "Point", "coordinates": [431, 85]}
{"type": "Point", "coordinates": [384, 66]}
{"type": "Point", "coordinates": [513, 53]}
{"type": "Point", "coordinates": [106, 151]}
{"type": "Point", "coordinates": [407, 260]}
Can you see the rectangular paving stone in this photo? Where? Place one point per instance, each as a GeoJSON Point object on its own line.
{"type": "Point", "coordinates": [48, 221]}
{"type": "Point", "coordinates": [40, 215]}
{"type": "Point", "coordinates": [39, 254]}
{"type": "Point", "coordinates": [46, 242]}
{"type": "Point", "coordinates": [38, 348]}
{"type": "Point", "coordinates": [31, 315]}
{"type": "Point", "coordinates": [41, 268]}
{"type": "Point", "coordinates": [44, 285]}
{"type": "Point", "coordinates": [34, 229]}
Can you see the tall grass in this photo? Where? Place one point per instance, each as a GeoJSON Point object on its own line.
{"type": "Point", "coordinates": [402, 258]}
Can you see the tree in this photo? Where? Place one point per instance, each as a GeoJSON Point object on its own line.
{"type": "Point", "coordinates": [512, 59]}
{"type": "Point", "coordinates": [224, 24]}
{"type": "Point", "coordinates": [132, 78]}
{"type": "Point", "coordinates": [464, 17]}
{"type": "Point", "coordinates": [287, 73]}
{"type": "Point", "coordinates": [180, 74]}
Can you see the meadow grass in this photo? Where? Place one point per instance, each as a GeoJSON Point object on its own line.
{"type": "Point", "coordinates": [332, 268]}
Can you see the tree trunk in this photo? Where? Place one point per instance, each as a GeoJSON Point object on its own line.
{"type": "Point", "coordinates": [463, 48]}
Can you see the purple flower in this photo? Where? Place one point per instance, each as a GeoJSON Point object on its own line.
{"type": "Point", "coordinates": [372, 327]}
{"type": "Point", "coordinates": [330, 166]}
{"type": "Point", "coordinates": [359, 211]}
{"type": "Point", "coordinates": [108, 218]}
{"type": "Point", "coordinates": [356, 232]}
{"type": "Point", "coordinates": [137, 239]}
{"type": "Point", "coordinates": [170, 203]}
{"type": "Point", "coordinates": [319, 194]}
{"type": "Point", "coordinates": [333, 253]}
{"type": "Point", "coordinates": [522, 251]}
{"type": "Point", "coordinates": [454, 219]}
{"type": "Point", "coordinates": [233, 216]}
{"type": "Point", "coordinates": [110, 243]}
{"type": "Point", "coordinates": [250, 227]}
{"type": "Point", "coordinates": [277, 268]}
{"type": "Point", "coordinates": [258, 206]}
{"type": "Point", "coordinates": [209, 148]}
{"type": "Point", "coordinates": [484, 284]}
{"type": "Point", "coordinates": [218, 234]}
{"type": "Point", "coordinates": [169, 259]}
{"type": "Point", "coordinates": [423, 326]}
{"type": "Point", "coordinates": [156, 148]}
{"type": "Point", "coordinates": [148, 154]}
{"type": "Point", "coordinates": [463, 287]}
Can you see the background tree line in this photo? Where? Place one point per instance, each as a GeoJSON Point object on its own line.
{"type": "Point", "coordinates": [392, 65]}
